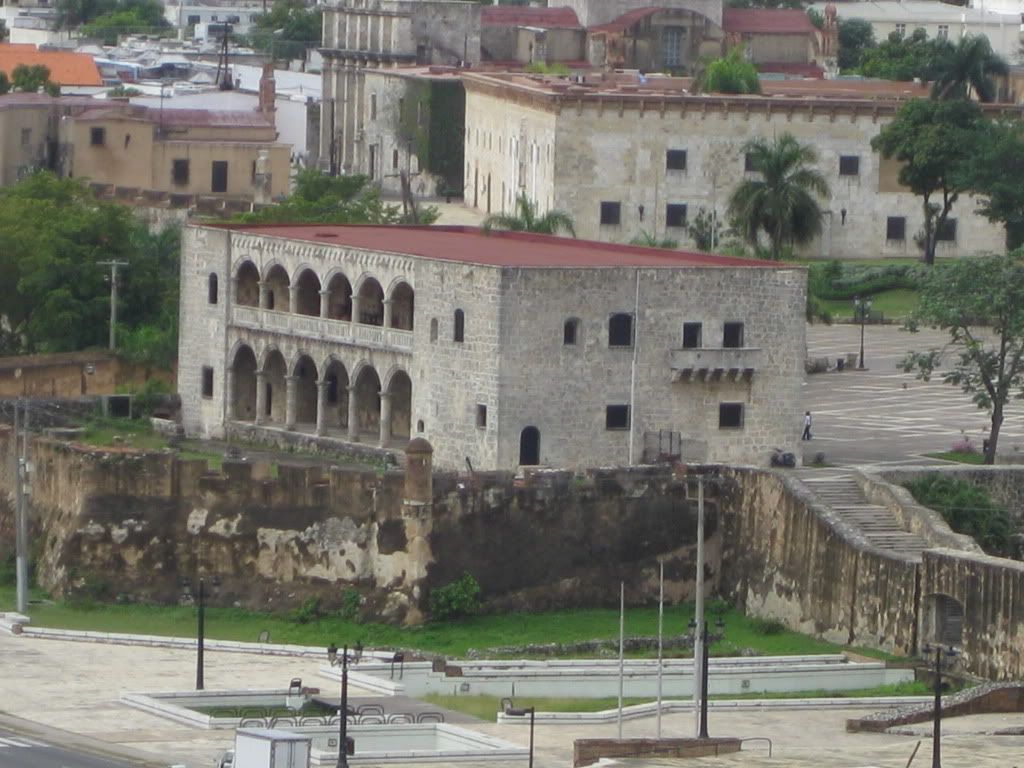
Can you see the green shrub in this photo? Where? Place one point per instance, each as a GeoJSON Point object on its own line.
{"type": "Point", "coordinates": [766, 626]}
{"type": "Point", "coordinates": [351, 601]}
{"type": "Point", "coordinates": [455, 600]}
{"type": "Point", "coordinates": [8, 570]}
{"type": "Point", "coordinates": [308, 612]}
{"type": "Point", "coordinates": [968, 510]}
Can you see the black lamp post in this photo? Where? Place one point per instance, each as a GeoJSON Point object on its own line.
{"type": "Point", "coordinates": [949, 653]}
{"type": "Point", "coordinates": [703, 661]}
{"type": "Point", "coordinates": [522, 712]}
{"type": "Point", "coordinates": [861, 308]}
{"type": "Point", "coordinates": [200, 600]}
{"type": "Point", "coordinates": [333, 658]}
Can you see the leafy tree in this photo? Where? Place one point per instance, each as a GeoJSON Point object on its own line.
{"type": "Point", "coordinates": [856, 36]}
{"type": "Point", "coordinates": [932, 140]}
{"type": "Point", "coordinates": [125, 17]}
{"type": "Point", "coordinates": [705, 229]}
{"type": "Point", "coordinates": [647, 240]}
{"type": "Point", "coordinates": [288, 29]}
{"type": "Point", "coordinates": [969, 69]}
{"type": "Point", "coordinates": [5, 84]}
{"type": "Point", "coordinates": [782, 202]}
{"type": "Point", "coordinates": [817, 17]}
{"type": "Point", "coordinates": [901, 57]}
{"type": "Point", "coordinates": [980, 302]}
{"type": "Point", "coordinates": [30, 78]}
{"type": "Point", "coordinates": [730, 74]}
{"type": "Point", "coordinates": [123, 92]}
{"type": "Point", "coordinates": [993, 171]}
{"type": "Point", "coordinates": [74, 13]}
{"type": "Point", "coordinates": [526, 219]}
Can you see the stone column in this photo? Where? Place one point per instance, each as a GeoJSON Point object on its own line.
{"type": "Point", "coordinates": [325, 302]}
{"type": "Point", "coordinates": [264, 294]}
{"type": "Point", "coordinates": [229, 395]}
{"type": "Point", "coordinates": [355, 308]}
{"type": "Point", "coordinates": [353, 415]}
{"type": "Point", "coordinates": [387, 313]}
{"type": "Point", "coordinates": [290, 400]}
{"type": "Point", "coordinates": [293, 298]}
{"type": "Point", "coordinates": [385, 419]}
{"type": "Point", "coordinates": [261, 397]}
{"type": "Point", "coordinates": [321, 406]}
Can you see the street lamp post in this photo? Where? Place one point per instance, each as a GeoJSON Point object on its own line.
{"type": "Point", "coordinates": [949, 653]}
{"type": "Point", "coordinates": [706, 638]}
{"type": "Point", "coordinates": [332, 657]}
{"type": "Point", "coordinates": [522, 712]}
{"type": "Point", "coordinates": [200, 600]}
{"type": "Point", "coordinates": [861, 308]}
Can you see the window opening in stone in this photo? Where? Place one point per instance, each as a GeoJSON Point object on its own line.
{"type": "Point", "coordinates": [211, 288]}
{"type": "Point", "coordinates": [620, 330]}
{"type": "Point", "coordinates": [732, 335]}
{"type": "Point", "coordinates": [207, 381]}
{"type": "Point", "coordinates": [529, 447]}
{"type": "Point", "coordinates": [459, 332]}
{"type": "Point", "coordinates": [691, 335]}
{"type": "Point", "coordinates": [481, 416]}
{"type": "Point", "coordinates": [730, 415]}
{"type": "Point", "coordinates": [616, 417]}
{"type": "Point", "coordinates": [570, 331]}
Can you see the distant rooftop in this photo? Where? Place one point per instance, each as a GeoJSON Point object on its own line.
{"type": "Point", "coordinates": [66, 68]}
{"type": "Point", "coordinates": [767, 21]}
{"type": "Point", "coordinates": [184, 118]}
{"type": "Point", "coordinates": [522, 16]}
{"type": "Point", "coordinates": [497, 248]}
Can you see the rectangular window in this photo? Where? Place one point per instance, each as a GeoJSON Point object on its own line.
{"type": "Point", "coordinates": [616, 417]}
{"type": "Point", "coordinates": [675, 160]}
{"type": "Point", "coordinates": [394, 159]}
{"type": "Point", "coordinates": [943, 33]}
{"type": "Point", "coordinates": [373, 106]}
{"type": "Point", "coordinates": [26, 137]}
{"type": "Point", "coordinates": [730, 415]}
{"type": "Point", "coordinates": [620, 330]}
{"type": "Point", "coordinates": [749, 164]}
{"type": "Point", "coordinates": [901, 29]}
{"type": "Point", "coordinates": [611, 214]}
{"type": "Point", "coordinates": [219, 176]}
{"type": "Point", "coordinates": [179, 171]}
{"type": "Point", "coordinates": [675, 215]}
{"type": "Point", "coordinates": [672, 44]}
{"type": "Point", "coordinates": [691, 335]}
{"type": "Point", "coordinates": [947, 232]}
{"type": "Point", "coordinates": [896, 228]}
{"type": "Point", "coordinates": [481, 416]}
{"type": "Point", "coordinates": [193, 19]}
{"type": "Point", "coordinates": [849, 165]}
{"type": "Point", "coordinates": [207, 381]}
{"type": "Point", "coordinates": [732, 335]}
{"type": "Point", "coordinates": [97, 136]}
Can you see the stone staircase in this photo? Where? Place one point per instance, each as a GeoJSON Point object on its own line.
{"type": "Point", "coordinates": [839, 491]}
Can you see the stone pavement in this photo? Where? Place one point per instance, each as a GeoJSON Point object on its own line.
{"type": "Point", "coordinates": [884, 416]}
{"type": "Point", "coordinates": [75, 687]}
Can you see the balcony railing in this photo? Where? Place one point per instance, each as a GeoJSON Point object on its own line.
{"type": "Point", "coordinates": [714, 363]}
{"type": "Point", "coordinates": [322, 329]}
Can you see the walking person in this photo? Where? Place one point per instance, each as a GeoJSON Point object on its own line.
{"type": "Point", "coordinates": [807, 426]}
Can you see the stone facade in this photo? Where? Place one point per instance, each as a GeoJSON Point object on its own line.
{"type": "Point", "coordinates": [474, 350]}
{"type": "Point", "coordinates": [595, 12]}
{"type": "Point", "coordinates": [604, 144]}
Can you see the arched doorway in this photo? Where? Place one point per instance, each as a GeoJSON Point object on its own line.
{"type": "Point", "coordinates": [247, 285]}
{"type": "Point", "coordinates": [367, 393]}
{"type": "Point", "coordinates": [308, 299]}
{"type": "Point", "coordinates": [275, 399]}
{"type": "Point", "coordinates": [400, 389]}
{"type": "Point", "coordinates": [305, 391]}
{"type": "Point", "coordinates": [402, 307]}
{"type": "Point", "coordinates": [339, 298]}
{"type": "Point", "coordinates": [336, 396]}
{"type": "Point", "coordinates": [277, 284]}
{"type": "Point", "coordinates": [529, 447]}
{"type": "Point", "coordinates": [942, 620]}
{"type": "Point", "coordinates": [371, 303]}
{"type": "Point", "coordinates": [243, 368]}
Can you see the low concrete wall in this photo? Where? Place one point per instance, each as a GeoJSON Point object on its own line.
{"type": "Point", "coordinates": [589, 751]}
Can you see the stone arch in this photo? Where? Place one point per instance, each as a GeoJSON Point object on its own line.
{"type": "Point", "coordinates": [336, 397]}
{"type": "Point", "coordinates": [275, 389]}
{"type": "Point", "coordinates": [243, 369]}
{"type": "Point", "coordinates": [370, 301]}
{"type": "Point", "coordinates": [247, 284]}
{"type": "Point", "coordinates": [942, 619]}
{"type": "Point", "coordinates": [339, 295]}
{"type": "Point", "coordinates": [307, 292]}
{"type": "Point", "coordinates": [366, 390]}
{"type": "Point", "coordinates": [399, 388]}
{"type": "Point", "coordinates": [529, 447]}
{"type": "Point", "coordinates": [402, 299]}
{"type": "Point", "coordinates": [277, 286]}
{"type": "Point", "coordinates": [305, 373]}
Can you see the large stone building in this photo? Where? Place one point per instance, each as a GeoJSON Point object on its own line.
{"type": "Point", "coordinates": [625, 155]}
{"type": "Point", "coordinates": [504, 349]}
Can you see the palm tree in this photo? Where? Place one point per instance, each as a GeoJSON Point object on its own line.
{"type": "Point", "coordinates": [782, 201]}
{"type": "Point", "coordinates": [525, 219]}
{"type": "Point", "coordinates": [970, 67]}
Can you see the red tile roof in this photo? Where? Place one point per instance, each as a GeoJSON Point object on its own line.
{"type": "Point", "coordinates": [66, 68]}
{"type": "Point", "coordinates": [185, 118]}
{"type": "Point", "coordinates": [520, 16]}
{"type": "Point", "coordinates": [626, 20]}
{"type": "Point", "coordinates": [498, 248]}
{"type": "Point", "coordinates": [791, 68]}
{"type": "Point", "coordinates": [767, 21]}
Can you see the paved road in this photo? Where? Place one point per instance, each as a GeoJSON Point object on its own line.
{"type": "Point", "coordinates": [20, 752]}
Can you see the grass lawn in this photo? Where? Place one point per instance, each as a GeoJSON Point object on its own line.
{"type": "Point", "coordinates": [895, 305]}
{"type": "Point", "coordinates": [451, 638]}
{"type": "Point", "coordinates": [963, 457]}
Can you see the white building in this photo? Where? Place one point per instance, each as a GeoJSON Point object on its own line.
{"type": "Point", "coordinates": [505, 349]}
{"type": "Point", "coordinates": [189, 16]}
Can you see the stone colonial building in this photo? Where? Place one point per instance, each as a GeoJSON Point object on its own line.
{"type": "Point", "coordinates": [504, 349]}
{"type": "Point", "coordinates": [625, 155]}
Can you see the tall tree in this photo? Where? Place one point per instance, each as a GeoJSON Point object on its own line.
{"type": "Point", "coordinates": [856, 36]}
{"type": "Point", "coordinates": [993, 172]}
{"type": "Point", "coordinates": [29, 78]}
{"type": "Point", "coordinates": [288, 30]}
{"type": "Point", "coordinates": [970, 69]}
{"type": "Point", "coordinates": [932, 140]}
{"type": "Point", "coordinates": [980, 302]}
{"type": "Point", "coordinates": [783, 200]}
{"type": "Point", "coordinates": [729, 74]}
{"type": "Point", "coordinates": [906, 57]}
{"type": "Point", "coordinates": [525, 218]}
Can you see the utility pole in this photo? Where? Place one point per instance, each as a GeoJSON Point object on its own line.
{"type": "Point", "coordinates": [113, 296]}
{"type": "Point", "coordinates": [698, 636]}
{"type": "Point", "coordinates": [23, 490]}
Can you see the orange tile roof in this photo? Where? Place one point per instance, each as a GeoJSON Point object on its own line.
{"type": "Point", "coordinates": [66, 68]}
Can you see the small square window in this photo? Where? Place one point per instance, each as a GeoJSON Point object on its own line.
{"type": "Point", "coordinates": [947, 232]}
{"type": "Point", "coordinates": [97, 136]}
{"type": "Point", "coordinates": [691, 335]}
{"type": "Point", "coordinates": [749, 164]}
{"type": "Point", "coordinates": [179, 172]}
{"type": "Point", "coordinates": [675, 215]}
{"type": "Point", "coordinates": [896, 228]}
{"type": "Point", "coordinates": [730, 415]}
{"type": "Point", "coordinates": [616, 417]}
{"type": "Point", "coordinates": [611, 214]}
{"type": "Point", "coordinates": [675, 160]}
{"type": "Point", "coordinates": [849, 165]}
{"type": "Point", "coordinates": [481, 416]}
{"type": "Point", "coordinates": [732, 335]}
{"type": "Point", "coordinates": [207, 381]}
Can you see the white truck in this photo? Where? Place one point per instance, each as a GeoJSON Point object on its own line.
{"type": "Point", "coordinates": [270, 748]}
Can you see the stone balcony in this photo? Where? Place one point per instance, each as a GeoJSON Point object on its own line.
{"type": "Point", "coordinates": [322, 329]}
{"type": "Point", "coordinates": [704, 363]}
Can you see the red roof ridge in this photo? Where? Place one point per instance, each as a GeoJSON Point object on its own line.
{"type": "Point", "coordinates": [521, 16]}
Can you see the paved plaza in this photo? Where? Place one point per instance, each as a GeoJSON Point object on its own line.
{"type": "Point", "coordinates": [884, 416]}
